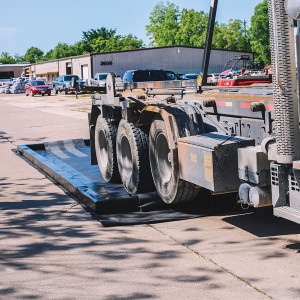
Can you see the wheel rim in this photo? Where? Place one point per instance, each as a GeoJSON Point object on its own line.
{"type": "Point", "coordinates": [126, 157]}
{"type": "Point", "coordinates": [162, 156]}
{"type": "Point", "coordinates": [103, 149]}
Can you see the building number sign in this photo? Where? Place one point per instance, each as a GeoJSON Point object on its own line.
{"type": "Point", "coordinates": [106, 63]}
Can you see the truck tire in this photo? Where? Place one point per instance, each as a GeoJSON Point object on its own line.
{"type": "Point", "coordinates": [105, 146]}
{"type": "Point", "coordinates": [133, 158]}
{"type": "Point", "coordinates": [165, 168]}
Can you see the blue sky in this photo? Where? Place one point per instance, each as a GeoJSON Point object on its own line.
{"type": "Point", "coordinates": [43, 24]}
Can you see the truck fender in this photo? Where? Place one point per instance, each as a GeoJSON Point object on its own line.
{"type": "Point", "coordinates": [180, 121]}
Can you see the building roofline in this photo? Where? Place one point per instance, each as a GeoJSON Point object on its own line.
{"type": "Point", "coordinates": [15, 65]}
{"type": "Point", "coordinates": [59, 59]}
{"type": "Point", "coordinates": [174, 46]}
{"type": "Point", "coordinates": [138, 49]}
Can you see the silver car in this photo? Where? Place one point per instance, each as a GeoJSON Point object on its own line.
{"type": "Point", "coordinates": [212, 79]}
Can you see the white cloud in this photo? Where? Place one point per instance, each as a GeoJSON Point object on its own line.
{"type": "Point", "coordinates": [6, 31]}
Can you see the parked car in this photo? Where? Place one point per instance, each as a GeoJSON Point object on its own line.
{"type": "Point", "coordinates": [101, 78]}
{"type": "Point", "coordinates": [189, 76]}
{"type": "Point", "coordinates": [212, 79]}
{"type": "Point", "coordinates": [98, 80]}
{"type": "Point", "coordinates": [149, 75]}
{"type": "Point", "coordinates": [67, 83]}
{"type": "Point", "coordinates": [37, 87]}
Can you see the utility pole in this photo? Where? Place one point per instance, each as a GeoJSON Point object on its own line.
{"type": "Point", "coordinates": [209, 36]}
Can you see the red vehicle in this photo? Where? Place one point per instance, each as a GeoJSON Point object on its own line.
{"type": "Point", "coordinates": [37, 87]}
{"type": "Point", "coordinates": [244, 80]}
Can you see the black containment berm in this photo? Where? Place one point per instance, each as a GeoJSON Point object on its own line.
{"type": "Point", "coordinates": [67, 162]}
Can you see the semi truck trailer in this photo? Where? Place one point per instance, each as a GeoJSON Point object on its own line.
{"type": "Point", "coordinates": [179, 140]}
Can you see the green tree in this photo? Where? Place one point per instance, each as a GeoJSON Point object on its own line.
{"type": "Point", "coordinates": [192, 28]}
{"type": "Point", "coordinates": [130, 42]}
{"type": "Point", "coordinates": [101, 44]}
{"type": "Point", "coordinates": [90, 36]}
{"type": "Point", "coordinates": [169, 26]}
{"type": "Point", "coordinates": [116, 43]}
{"type": "Point", "coordinates": [95, 41]}
{"type": "Point", "coordinates": [79, 48]}
{"type": "Point", "coordinates": [33, 54]}
{"type": "Point", "coordinates": [259, 33]}
{"type": "Point", "coordinates": [6, 58]}
{"type": "Point", "coordinates": [18, 58]}
{"type": "Point", "coordinates": [61, 50]}
{"type": "Point", "coordinates": [163, 25]}
{"type": "Point", "coordinates": [232, 36]}
{"type": "Point", "coordinates": [48, 55]}
{"type": "Point", "coordinates": [106, 40]}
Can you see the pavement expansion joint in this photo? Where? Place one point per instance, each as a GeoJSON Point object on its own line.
{"type": "Point", "coordinates": [67, 209]}
{"type": "Point", "coordinates": [203, 256]}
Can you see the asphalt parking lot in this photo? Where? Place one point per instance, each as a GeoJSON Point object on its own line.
{"type": "Point", "coordinates": [53, 248]}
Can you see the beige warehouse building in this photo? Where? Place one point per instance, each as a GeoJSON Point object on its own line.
{"type": "Point", "coordinates": [8, 71]}
{"type": "Point", "coordinates": [79, 65]}
{"type": "Point", "coordinates": [179, 59]}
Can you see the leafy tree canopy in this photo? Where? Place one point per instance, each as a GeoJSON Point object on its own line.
{"type": "Point", "coordinates": [5, 58]}
{"type": "Point", "coordinates": [61, 50]}
{"type": "Point", "coordinates": [163, 24]}
{"type": "Point", "coordinates": [259, 33]}
{"type": "Point", "coordinates": [90, 36]}
{"type": "Point", "coordinates": [107, 40]}
{"type": "Point", "coordinates": [94, 41]}
{"type": "Point", "coordinates": [192, 28]}
{"type": "Point", "coordinates": [169, 26]}
{"type": "Point", "coordinates": [232, 36]}
{"type": "Point", "coordinates": [19, 58]}
{"type": "Point", "coordinates": [33, 54]}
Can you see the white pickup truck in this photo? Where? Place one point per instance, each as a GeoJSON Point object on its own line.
{"type": "Point", "coordinates": [98, 80]}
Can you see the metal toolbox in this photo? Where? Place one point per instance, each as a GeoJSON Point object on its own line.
{"type": "Point", "coordinates": [210, 160]}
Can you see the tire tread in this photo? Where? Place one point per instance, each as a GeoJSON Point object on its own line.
{"type": "Point", "coordinates": [112, 174]}
{"type": "Point", "coordinates": [179, 190]}
{"type": "Point", "coordinates": [144, 182]}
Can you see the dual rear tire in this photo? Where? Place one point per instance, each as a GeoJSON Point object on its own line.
{"type": "Point", "coordinates": [123, 154]}
{"type": "Point", "coordinates": [133, 158]}
{"type": "Point", "coordinates": [142, 163]}
{"type": "Point", "coordinates": [105, 146]}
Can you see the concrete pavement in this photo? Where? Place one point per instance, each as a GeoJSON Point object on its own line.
{"type": "Point", "coordinates": [52, 248]}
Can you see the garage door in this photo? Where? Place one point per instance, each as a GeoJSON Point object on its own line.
{"type": "Point", "coordinates": [84, 72]}
{"type": "Point", "coordinates": [6, 75]}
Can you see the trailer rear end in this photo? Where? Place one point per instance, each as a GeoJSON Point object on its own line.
{"type": "Point", "coordinates": [179, 140]}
